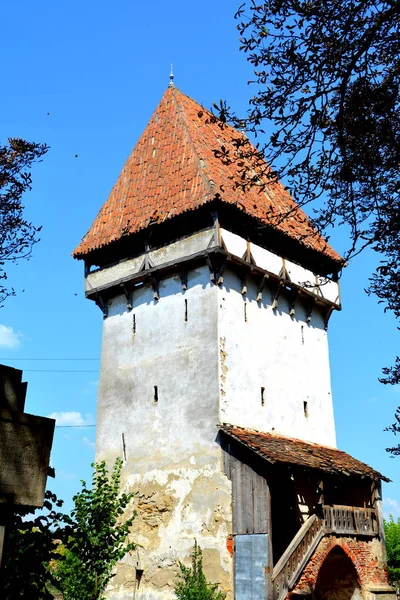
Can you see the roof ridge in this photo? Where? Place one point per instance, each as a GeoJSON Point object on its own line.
{"type": "Point", "coordinates": [183, 116]}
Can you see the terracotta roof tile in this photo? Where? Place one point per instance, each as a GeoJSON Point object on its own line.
{"type": "Point", "coordinates": [280, 449]}
{"type": "Point", "coordinates": [173, 169]}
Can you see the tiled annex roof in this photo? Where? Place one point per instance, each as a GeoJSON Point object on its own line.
{"type": "Point", "coordinates": [173, 169]}
{"type": "Point", "coordinates": [280, 449]}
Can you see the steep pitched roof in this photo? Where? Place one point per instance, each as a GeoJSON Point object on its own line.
{"type": "Point", "coordinates": [280, 449]}
{"type": "Point", "coordinates": [173, 169]}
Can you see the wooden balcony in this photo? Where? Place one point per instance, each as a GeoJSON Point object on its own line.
{"type": "Point", "coordinates": [350, 520]}
{"type": "Point", "coordinates": [341, 520]}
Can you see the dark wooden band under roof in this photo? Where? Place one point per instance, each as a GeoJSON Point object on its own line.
{"type": "Point", "coordinates": [280, 449]}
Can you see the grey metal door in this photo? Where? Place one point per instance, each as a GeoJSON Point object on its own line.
{"type": "Point", "coordinates": [251, 560]}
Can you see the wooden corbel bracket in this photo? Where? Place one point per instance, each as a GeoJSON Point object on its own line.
{"type": "Point", "coordinates": [184, 280]}
{"type": "Point", "coordinates": [102, 304]}
{"type": "Point", "coordinates": [328, 316]}
{"type": "Point", "coordinates": [128, 296]}
{"type": "Point", "coordinates": [155, 285]}
{"type": "Point", "coordinates": [216, 265]}
{"type": "Point", "coordinates": [280, 287]}
{"type": "Point", "coordinates": [309, 309]}
{"type": "Point", "coordinates": [261, 286]}
{"type": "Point", "coordinates": [293, 297]}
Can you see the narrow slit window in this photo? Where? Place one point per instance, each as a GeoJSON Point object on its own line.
{"type": "Point", "coordinates": [155, 397]}
{"type": "Point", "coordinates": [302, 334]}
{"type": "Point", "coordinates": [133, 324]}
{"type": "Point", "coordinates": [123, 445]}
{"type": "Point", "coordinates": [262, 396]}
{"type": "Point", "coordinates": [186, 310]}
{"type": "Point", "coordinates": [305, 408]}
{"type": "Point", "coordinates": [245, 312]}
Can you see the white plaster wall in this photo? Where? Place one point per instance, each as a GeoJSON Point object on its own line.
{"type": "Point", "coordinates": [284, 355]}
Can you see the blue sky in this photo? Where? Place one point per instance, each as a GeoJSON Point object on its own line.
{"type": "Point", "coordinates": [85, 77]}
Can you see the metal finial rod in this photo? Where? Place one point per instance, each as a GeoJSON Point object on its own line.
{"type": "Point", "coordinates": [171, 76]}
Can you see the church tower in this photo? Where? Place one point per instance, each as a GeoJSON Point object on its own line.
{"type": "Point", "coordinates": [216, 293]}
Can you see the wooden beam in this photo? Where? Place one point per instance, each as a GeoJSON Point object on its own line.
{"type": "Point", "coordinates": [379, 512]}
{"type": "Point", "coordinates": [270, 564]}
{"type": "Point", "coordinates": [217, 228]}
{"type": "Point", "coordinates": [2, 536]}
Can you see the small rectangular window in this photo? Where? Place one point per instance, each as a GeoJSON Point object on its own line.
{"type": "Point", "coordinates": [262, 396]}
{"type": "Point", "coordinates": [305, 408]}
{"type": "Point", "coordinates": [155, 398]}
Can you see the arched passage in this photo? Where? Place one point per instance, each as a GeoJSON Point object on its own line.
{"type": "Point", "coordinates": [337, 579]}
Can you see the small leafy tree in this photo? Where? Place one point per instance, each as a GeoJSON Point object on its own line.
{"type": "Point", "coordinates": [192, 584]}
{"type": "Point", "coordinates": [392, 535]}
{"type": "Point", "coordinates": [29, 549]}
{"type": "Point", "coordinates": [98, 538]}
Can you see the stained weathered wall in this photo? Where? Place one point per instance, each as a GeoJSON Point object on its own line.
{"type": "Point", "coordinates": [172, 459]}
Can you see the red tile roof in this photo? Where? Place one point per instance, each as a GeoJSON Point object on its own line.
{"type": "Point", "coordinates": [280, 449]}
{"type": "Point", "coordinates": [173, 169]}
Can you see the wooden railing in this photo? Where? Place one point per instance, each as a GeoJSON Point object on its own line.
{"type": "Point", "coordinates": [346, 520]}
{"type": "Point", "coordinates": [295, 557]}
{"type": "Point", "coordinates": [350, 520]}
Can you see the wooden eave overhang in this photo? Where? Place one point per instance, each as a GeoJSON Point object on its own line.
{"type": "Point", "coordinates": [276, 449]}
{"type": "Point", "coordinates": [216, 258]}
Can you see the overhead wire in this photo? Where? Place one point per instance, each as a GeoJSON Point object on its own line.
{"type": "Point", "coordinates": [57, 371]}
{"type": "Point", "coordinates": [50, 358]}
{"type": "Point", "coordinates": [75, 426]}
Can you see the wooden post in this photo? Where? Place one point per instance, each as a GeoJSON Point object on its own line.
{"type": "Point", "coordinates": [379, 513]}
{"type": "Point", "coordinates": [2, 535]}
{"type": "Point", "coordinates": [270, 565]}
{"type": "Point", "coordinates": [321, 492]}
{"type": "Point", "coordinates": [217, 228]}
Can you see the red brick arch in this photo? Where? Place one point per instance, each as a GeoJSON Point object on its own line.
{"type": "Point", "coordinates": [364, 555]}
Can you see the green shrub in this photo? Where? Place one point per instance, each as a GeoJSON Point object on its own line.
{"type": "Point", "coordinates": [192, 584]}
{"type": "Point", "coordinates": [392, 535]}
